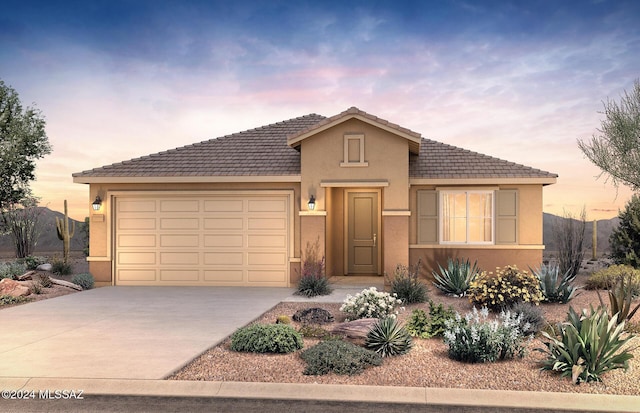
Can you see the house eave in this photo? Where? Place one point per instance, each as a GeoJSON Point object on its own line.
{"type": "Point", "coordinates": [184, 179]}
{"type": "Point", "coordinates": [483, 181]}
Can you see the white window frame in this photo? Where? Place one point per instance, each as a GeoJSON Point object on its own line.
{"type": "Point", "coordinates": [441, 216]}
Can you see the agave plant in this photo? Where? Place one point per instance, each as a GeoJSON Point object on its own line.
{"type": "Point", "coordinates": [587, 346]}
{"type": "Point", "coordinates": [388, 338]}
{"type": "Point", "coordinates": [456, 278]}
{"type": "Point", "coordinates": [556, 288]}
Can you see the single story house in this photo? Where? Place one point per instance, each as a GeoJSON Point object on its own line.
{"type": "Point", "coordinates": [240, 209]}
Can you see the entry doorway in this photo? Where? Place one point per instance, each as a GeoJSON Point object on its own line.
{"type": "Point", "coordinates": [362, 232]}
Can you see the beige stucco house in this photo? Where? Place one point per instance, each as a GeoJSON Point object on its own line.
{"type": "Point", "coordinates": [236, 210]}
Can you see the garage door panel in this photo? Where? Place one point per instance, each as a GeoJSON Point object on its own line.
{"type": "Point", "coordinates": [180, 206]}
{"type": "Point", "coordinates": [267, 223]}
{"type": "Point", "coordinates": [223, 241]}
{"type": "Point", "coordinates": [139, 224]}
{"type": "Point", "coordinates": [214, 239]}
{"type": "Point", "coordinates": [223, 258]}
{"type": "Point", "coordinates": [181, 258]}
{"type": "Point", "coordinates": [179, 275]}
{"type": "Point", "coordinates": [223, 223]}
{"type": "Point", "coordinates": [137, 258]}
{"type": "Point", "coordinates": [179, 240]}
{"type": "Point", "coordinates": [147, 240]}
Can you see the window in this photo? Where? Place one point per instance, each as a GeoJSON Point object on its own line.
{"type": "Point", "coordinates": [466, 217]}
{"type": "Point", "coordinates": [353, 151]}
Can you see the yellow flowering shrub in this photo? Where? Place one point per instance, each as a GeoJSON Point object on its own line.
{"type": "Point", "coordinates": [506, 287]}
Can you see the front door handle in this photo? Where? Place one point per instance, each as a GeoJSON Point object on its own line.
{"type": "Point", "coordinates": [375, 240]}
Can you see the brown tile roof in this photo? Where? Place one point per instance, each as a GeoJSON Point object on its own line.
{"type": "Point", "coordinates": [255, 152]}
{"type": "Point", "coordinates": [441, 161]}
{"type": "Point", "coordinates": [265, 151]}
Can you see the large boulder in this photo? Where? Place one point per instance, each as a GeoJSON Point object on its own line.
{"type": "Point", "coordinates": [13, 288]}
{"type": "Point", "coordinates": [313, 316]}
{"type": "Point", "coordinates": [356, 329]}
{"type": "Point", "coordinates": [44, 267]}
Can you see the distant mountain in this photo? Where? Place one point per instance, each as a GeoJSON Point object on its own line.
{"type": "Point", "coordinates": [604, 229]}
{"type": "Point", "coordinates": [48, 241]}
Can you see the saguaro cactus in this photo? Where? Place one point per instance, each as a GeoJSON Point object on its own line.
{"type": "Point", "coordinates": [64, 233]}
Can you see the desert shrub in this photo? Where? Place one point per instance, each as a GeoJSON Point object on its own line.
{"type": "Point", "coordinates": [531, 317]}
{"type": "Point", "coordinates": [32, 261]}
{"type": "Point", "coordinates": [44, 280]}
{"type": "Point", "coordinates": [84, 280]}
{"type": "Point", "coordinates": [508, 286]}
{"type": "Point", "coordinates": [555, 287]}
{"type": "Point", "coordinates": [370, 303]}
{"type": "Point", "coordinates": [387, 337]}
{"type": "Point", "coordinates": [605, 278]}
{"type": "Point", "coordinates": [586, 346]}
{"type": "Point", "coordinates": [266, 338]}
{"type": "Point", "coordinates": [625, 238]}
{"type": "Point", "coordinates": [314, 331]}
{"type": "Point", "coordinates": [621, 296]}
{"type": "Point", "coordinates": [60, 267]}
{"type": "Point", "coordinates": [12, 269]}
{"type": "Point", "coordinates": [568, 233]}
{"type": "Point", "coordinates": [456, 278]}
{"type": "Point", "coordinates": [475, 339]}
{"type": "Point", "coordinates": [36, 288]}
{"type": "Point", "coordinates": [406, 284]}
{"type": "Point", "coordinates": [313, 281]}
{"type": "Point", "coordinates": [339, 357]}
{"type": "Point", "coordinates": [283, 319]}
{"type": "Point", "coordinates": [433, 325]}
{"type": "Point", "coordinates": [9, 300]}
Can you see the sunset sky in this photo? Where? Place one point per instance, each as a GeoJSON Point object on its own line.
{"type": "Point", "coordinates": [519, 80]}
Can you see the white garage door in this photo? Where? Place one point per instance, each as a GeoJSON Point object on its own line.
{"type": "Point", "coordinates": [214, 239]}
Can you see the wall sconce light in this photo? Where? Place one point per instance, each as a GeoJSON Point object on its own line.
{"type": "Point", "coordinates": [312, 203]}
{"type": "Point", "coordinates": [97, 203]}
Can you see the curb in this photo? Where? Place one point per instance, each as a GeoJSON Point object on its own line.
{"type": "Point", "coordinates": [497, 399]}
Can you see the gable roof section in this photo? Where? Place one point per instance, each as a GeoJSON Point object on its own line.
{"type": "Point", "coordinates": [351, 113]}
{"type": "Point", "coordinates": [256, 152]}
{"type": "Point", "coordinates": [439, 162]}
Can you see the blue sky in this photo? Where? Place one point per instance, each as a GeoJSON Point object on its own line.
{"type": "Point", "coordinates": [520, 80]}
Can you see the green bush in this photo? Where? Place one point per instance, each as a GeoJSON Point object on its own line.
{"type": "Point", "coordinates": [370, 303]}
{"type": "Point", "coordinates": [587, 346]}
{"type": "Point", "coordinates": [625, 238]}
{"type": "Point", "coordinates": [9, 299]}
{"type": "Point", "coordinates": [508, 286]}
{"type": "Point", "coordinates": [339, 357]}
{"type": "Point", "coordinates": [60, 267]}
{"type": "Point", "coordinates": [433, 325]}
{"type": "Point", "coordinates": [456, 278]}
{"type": "Point", "coordinates": [531, 317]}
{"type": "Point", "coordinates": [406, 284]}
{"type": "Point", "coordinates": [605, 278]}
{"type": "Point", "coordinates": [12, 269]}
{"type": "Point", "coordinates": [388, 338]}
{"type": "Point", "coordinates": [475, 339]}
{"type": "Point", "coordinates": [283, 319]}
{"type": "Point", "coordinates": [266, 338]}
{"type": "Point", "coordinates": [84, 280]}
{"type": "Point", "coordinates": [555, 288]}
{"type": "Point", "coordinates": [32, 261]}
{"type": "Point", "coordinates": [314, 331]}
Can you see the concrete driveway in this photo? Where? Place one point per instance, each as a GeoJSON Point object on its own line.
{"type": "Point", "coordinates": [124, 332]}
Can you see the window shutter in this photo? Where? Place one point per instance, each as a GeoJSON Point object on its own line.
{"type": "Point", "coordinates": [507, 216]}
{"type": "Point", "coordinates": [427, 217]}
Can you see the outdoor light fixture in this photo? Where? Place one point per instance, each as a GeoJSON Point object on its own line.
{"type": "Point", "coordinates": [97, 203]}
{"type": "Point", "coordinates": [312, 203]}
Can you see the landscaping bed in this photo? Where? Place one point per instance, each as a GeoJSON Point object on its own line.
{"type": "Point", "coordinates": [425, 365]}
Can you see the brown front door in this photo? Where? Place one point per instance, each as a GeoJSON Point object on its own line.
{"type": "Point", "coordinates": [362, 233]}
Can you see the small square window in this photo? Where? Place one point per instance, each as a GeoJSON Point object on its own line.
{"type": "Point", "coordinates": [353, 151]}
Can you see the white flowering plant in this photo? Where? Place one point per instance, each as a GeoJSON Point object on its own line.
{"type": "Point", "coordinates": [476, 339]}
{"type": "Point", "coordinates": [371, 303]}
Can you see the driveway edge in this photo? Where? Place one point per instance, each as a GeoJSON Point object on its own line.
{"type": "Point", "coordinates": [498, 399]}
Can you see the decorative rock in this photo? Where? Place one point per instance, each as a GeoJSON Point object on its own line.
{"type": "Point", "coordinates": [13, 288]}
{"type": "Point", "coordinates": [356, 329]}
{"type": "Point", "coordinates": [313, 316]}
{"type": "Point", "coordinates": [44, 267]}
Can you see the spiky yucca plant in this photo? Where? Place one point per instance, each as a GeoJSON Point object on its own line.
{"type": "Point", "coordinates": [388, 338]}
{"type": "Point", "coordinates": [456, 278]}
{"type": "Point", "coordinates": [556, 288]}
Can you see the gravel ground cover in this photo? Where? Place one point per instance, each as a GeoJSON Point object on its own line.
{"type": "Point", "coordinates": [426, 365]}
